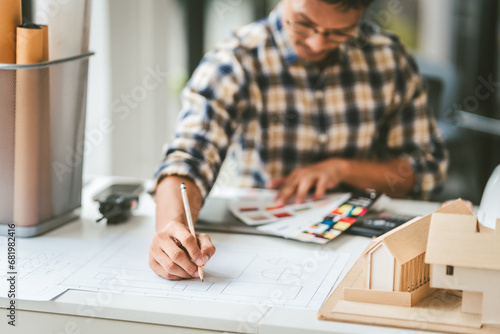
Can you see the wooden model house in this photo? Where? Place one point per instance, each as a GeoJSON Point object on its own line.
{"type": "Point", "coordinates": [394, 270]}
{"type": "Point", "coordinates": [465, 255]}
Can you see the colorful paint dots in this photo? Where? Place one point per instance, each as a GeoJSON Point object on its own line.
{"type": "Point", "coordinates": [249, 209]}
{"type": "Point", "coordinates": [269, 208]}
{"type": "Point", "coordinates": [358, 211]}
{"type": "Point", "coordinates": [258, 217]}
{"type": "Point", "coordinates": [341, 226]}
{"type": "Point", "coordinates": [339, 220]}
{"type": "Point", "coordinates": [282, 214]}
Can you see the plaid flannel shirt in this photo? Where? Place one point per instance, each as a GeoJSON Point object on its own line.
{"type": "Point", "coordinates": [280, 112]}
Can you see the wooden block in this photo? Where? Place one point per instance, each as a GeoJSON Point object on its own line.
{"type": "Point", "coordinates": [431, 311]}
{"type": "Point", "coordinates": [406, 299]}
{"type": "Point", "coordinates": [421, 293]}
{"type": "Point", "coordinates": [378, 297]}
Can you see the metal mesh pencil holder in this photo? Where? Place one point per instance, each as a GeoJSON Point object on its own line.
{"type": "Point", "coordinates": [42, 124]}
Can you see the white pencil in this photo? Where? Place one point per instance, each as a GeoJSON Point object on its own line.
{"type": "Point", "coordinates": [189, 219]}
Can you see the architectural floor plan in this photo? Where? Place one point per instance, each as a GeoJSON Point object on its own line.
{"type": "Point", "coordinates": [236, 273]}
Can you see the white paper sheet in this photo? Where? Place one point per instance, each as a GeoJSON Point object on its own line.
{"type": "Point", "coordinates": [237, 274]}
{"type": "Point", "coordinates": [42, 263]}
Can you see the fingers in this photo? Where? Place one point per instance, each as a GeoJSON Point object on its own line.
{"type": "Point", "coordinates": [189, 242]}
{"type": "Point", "coordinates": [174, 249]}
{"type": "Point", "coordinates": [285, 193]}
{"type": "Point", "coordinates": [303, 189]}
{"type": "Point", "coordinates": [176, 261]}
{"type": "Point", "coordinates": [206, 246]}
{"type": "Point", "coordinates": [160, 271]}
{"type": "Point", "coordinates": [276, 183]}
{"type": "Point", "coordinates": [161, 251]}
{"type": "Point", "coordinates": [320, 189]}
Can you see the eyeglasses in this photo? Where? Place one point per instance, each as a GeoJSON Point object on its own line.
{"type": "Point", "coordinates": [307, 30]}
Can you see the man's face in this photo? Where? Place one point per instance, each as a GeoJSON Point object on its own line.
{"type": "Point", "coordinates": [303, 19]}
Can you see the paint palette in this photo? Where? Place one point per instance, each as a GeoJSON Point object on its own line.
{"type": "Point", "coordinates": [259, 212]}
{"type": "Point", "coordinates": [339, 219]}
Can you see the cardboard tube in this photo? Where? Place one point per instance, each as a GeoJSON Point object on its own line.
{"type": "Point", "coordinates": [45, 176]}
{"type": "Point", "coordinates": [10, 18]}
{"type": "Point", "coordinates": [7, 110]}
{"type": "Point", "coordinates": [27, 129]}
{"type": "Point", "coordinates": [45, 32]}
{"type": "Point", "coordinates": [29, 44]}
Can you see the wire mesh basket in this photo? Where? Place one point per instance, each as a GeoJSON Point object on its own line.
{"type": "Point", "coordinates": [42, 124]}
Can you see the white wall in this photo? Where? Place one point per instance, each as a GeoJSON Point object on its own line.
{"type": "Point", "coordinates": [140, 53]}
{"type": "Point", "coordinates": [223, 16]}
{"type": "Point", "coordinates": [97, 160]}
{"type": "Point", "coordinates": [436, 29]}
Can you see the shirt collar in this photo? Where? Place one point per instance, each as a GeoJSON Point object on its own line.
{"type": "Point", "coordinates": [281, 37]}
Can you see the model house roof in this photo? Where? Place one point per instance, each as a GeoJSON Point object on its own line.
{"type": "Point", "coordinates": [457, 240]}
{"type": "Point", "coordinates": [410, 239]}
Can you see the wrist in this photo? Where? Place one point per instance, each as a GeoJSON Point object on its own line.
{"type": "Point", "coordinates": [169, 203]}
{"type": "Point", "coordinates": [342, 168]}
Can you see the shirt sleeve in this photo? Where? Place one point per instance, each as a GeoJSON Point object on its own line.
{"type": "Point", "coordinates": [412, 130]}
{"type": "Point", "coordinates": [211, 102]}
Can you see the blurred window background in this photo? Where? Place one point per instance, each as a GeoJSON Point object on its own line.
{"type": "Point", "coordinates": [146, 50]}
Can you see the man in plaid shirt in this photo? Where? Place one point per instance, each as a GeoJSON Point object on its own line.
{"type": "Point", "coordinates": [310, 98]}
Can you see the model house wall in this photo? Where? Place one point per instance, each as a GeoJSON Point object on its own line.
{"type": "Point", "coordinates": [466, 256]}
{"type": "Point", "coordinates": [394, 271]}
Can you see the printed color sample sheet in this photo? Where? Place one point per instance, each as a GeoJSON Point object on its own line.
{"type": "Point", "coordinates": [258, 212]}
{"type": "Point", "coordinates": [324, 223]}
{"type": "Point", "coordinates": [239, 274]}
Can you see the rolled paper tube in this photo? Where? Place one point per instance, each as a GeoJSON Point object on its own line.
{"type": "Point", "coordinates": [10, 18]}
{"type": "Point", "coordinates": [45, 176]}
{"type": "Point", "coordinates": [29, 44]}
{"type": "Point", "coordinates": [45, 31]}
{"type": "Point", "coordinates": [27, 128]}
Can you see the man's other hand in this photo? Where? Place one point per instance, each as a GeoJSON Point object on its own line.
{"type": "Point", "coordinates": [323, 176]}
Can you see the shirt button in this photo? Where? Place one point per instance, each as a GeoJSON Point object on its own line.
{"type": "Point", "coordinates": [323, 138]}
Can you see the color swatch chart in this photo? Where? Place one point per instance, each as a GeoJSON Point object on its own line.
{"type": "Point", "coordinates": [339, 219]}
{"type": "Point", "coordinates": [259, 212]}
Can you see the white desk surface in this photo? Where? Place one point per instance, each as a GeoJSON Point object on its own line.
{"type": "Point", "coordinates": [92, 312]}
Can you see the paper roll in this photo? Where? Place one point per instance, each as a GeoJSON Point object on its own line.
{"type": "Point", "coordinates": [45, 32]}
{"type": "Point", "coordinates": [7, 109]}
{"type": "Point", "coordinates": [29, 108]}
{"type": "Point", "coordinates": [10, 18]}
{"type": "Point", "coordinates": [29, 44]}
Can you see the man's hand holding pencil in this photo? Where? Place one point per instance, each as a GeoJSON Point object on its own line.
{"type": "Point", "coordinates": [177, 252]}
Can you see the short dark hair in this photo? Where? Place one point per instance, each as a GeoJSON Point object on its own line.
{"type": "Point", "coordinates": [349, 4]}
